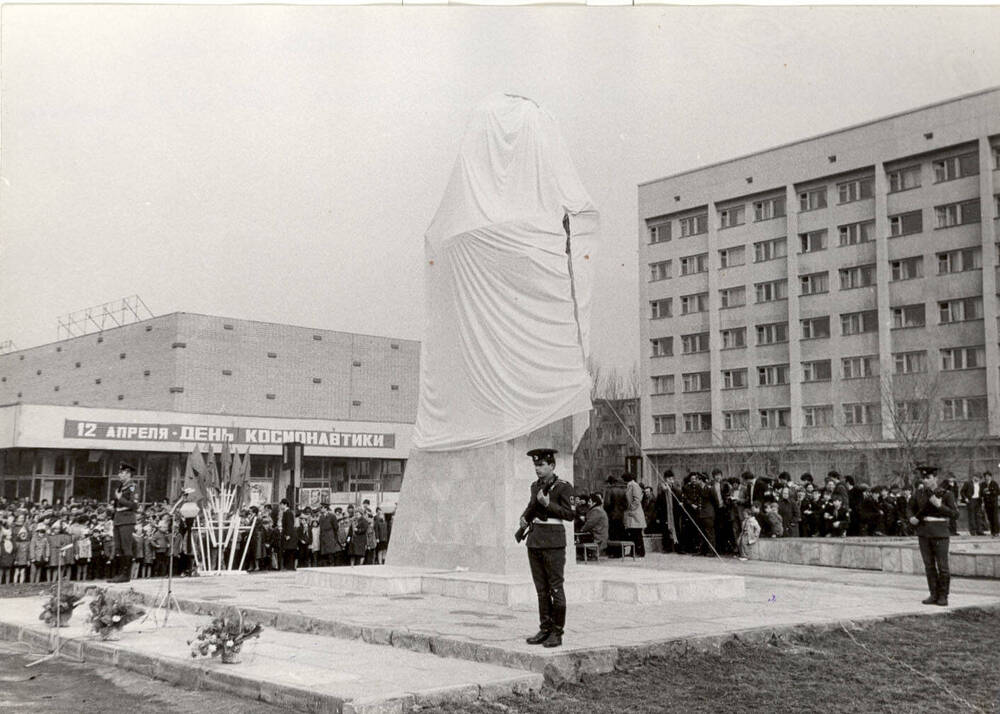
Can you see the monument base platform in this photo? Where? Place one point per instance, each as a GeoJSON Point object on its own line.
{"type": "Point", "coordinates": [585, 583]}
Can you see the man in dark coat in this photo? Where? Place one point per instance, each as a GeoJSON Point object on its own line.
{"type": "Point", "coordinates": [327, 535]}
{"type": "Point", "coordinates": [930, 510]}
{"type": "Point", "coordinates": [991, 499]}
{"type": "Point", "coordinates": [551, 503]}
{"type": "Point", "coordinates": [124, 524]}
{"type": "Point", "coordinates": [289, 535]}
{"type": "Point", "coordinates": [615, 503]}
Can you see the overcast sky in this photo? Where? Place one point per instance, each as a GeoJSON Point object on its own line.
{"type": "Point", "coordinates": [282, 163]}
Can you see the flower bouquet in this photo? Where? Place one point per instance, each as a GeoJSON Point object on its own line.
{"type": "Point", "coordinates": [224, 636]}
{"type": "Point", "coordinates": [110, 613]}
{"type": "Point", "coordinates": [61, 609]}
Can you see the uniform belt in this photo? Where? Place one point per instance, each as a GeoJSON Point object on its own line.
{"type": "Point", "coordinates": [537, 522]}
{"type": "Point", "coordinates": [935, 518]}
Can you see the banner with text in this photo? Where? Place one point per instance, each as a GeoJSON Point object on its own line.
{"type": "Point", "coordinates": [196, 433]}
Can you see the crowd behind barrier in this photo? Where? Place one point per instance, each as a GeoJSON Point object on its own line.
{"type": "Point", "coordinates": [727, 516]}
{"type": "Point", "coordinates": [32, 534]}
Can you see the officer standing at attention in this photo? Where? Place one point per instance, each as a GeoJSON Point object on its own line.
{"type": "Point", "coordinates": [930, 509]}
{"type": "Point", "coordinates": [124, 524]}
{"type": "Point", "coordinates": [551, 503]}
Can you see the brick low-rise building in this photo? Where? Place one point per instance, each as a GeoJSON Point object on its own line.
{"type": "Point", "coordinates": [146, 392]}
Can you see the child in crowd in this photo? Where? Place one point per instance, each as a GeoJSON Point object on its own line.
{"type": "Point", "coordinates": [21, 555]}
{"type": "Point", "coordinates": [139, 547]}
{"type": "Point", "coordinates": [160, 543]}
{"type": "Point", "coordinates": [6, 554]}
{"type": "Point", "coordinates": [148, 550]}
{"type": "Point", "coordinates": [775, 526]}
{"type": "Point", "coordinates": [38, 552]}
{"type": "Point", "coordinates": [836, 517]}
{"type": "Point", "coordinates": [80, 533]}
{"type": "Point", "coordinates": [749, 534]}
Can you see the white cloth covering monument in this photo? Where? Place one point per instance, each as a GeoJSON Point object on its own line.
{"type": "Point", "coordinates": [503, 362]}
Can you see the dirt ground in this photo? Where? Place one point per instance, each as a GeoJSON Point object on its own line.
{"type": "Point", "coordinates": [949, 663]}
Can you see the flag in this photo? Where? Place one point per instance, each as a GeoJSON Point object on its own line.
{"type": "Point", "coordinates": [211, 472]}
{"type": "Point", "coordinates": [193, 476]}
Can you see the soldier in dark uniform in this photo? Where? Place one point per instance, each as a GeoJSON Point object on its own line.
{"type": "Point", "coordinates": [930, 509]}
{"type": "Point", "coordinates": [124, 524]}
{"type": "Point", "coordinates": [551, 503]}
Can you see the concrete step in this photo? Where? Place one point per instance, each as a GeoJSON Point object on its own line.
{"type": "Point", "coordinates": [302, 672]}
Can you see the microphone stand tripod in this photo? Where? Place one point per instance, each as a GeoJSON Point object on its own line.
{"type": "Point", "coordinates": [168, 600]}
{"type": "Point", "coordinates": [56, 639]}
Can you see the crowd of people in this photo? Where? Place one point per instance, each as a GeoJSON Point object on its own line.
{"type": "Point", "coordinates": [36, 539]}
{"type": "Point", "coordinates": [709, 514]}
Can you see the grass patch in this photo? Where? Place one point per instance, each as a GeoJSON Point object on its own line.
{"type": "Point", "coordinates": [864, 669]}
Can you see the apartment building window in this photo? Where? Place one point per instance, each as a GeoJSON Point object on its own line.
{"type": "Point", "coordinates": [955, 358]}
{"type": "Point", "coordinates": [698, 421]}
{"type": "Point", "coordinates": [860, 414]}
{"type": "Point", "coordinates": [769, 208]}
{"type": "Point", "coordinates": [816, 371]}
{"type": "Point", "coordinates": [910, 411]}
{"type": "Point", "coordinates": [694, 225]}
{"type": "Point", "coordinates": [772, 290]}
{"type": "Point", "coordinates": [659, 232]}
{"type": "Point", "coordinates": [856, 323]}
{"type": "Point", "coordinates": [859, 367]}
{"type": "Point", "coordinates": [772, 375]}
{"type": "Point", "coordinates": [958, 261]}
{"type": "Point", "coordinates": [909, 316]}
{"type": "Point", "coordinates": [904, 224]}
{"type": "Point", "coordinates": [855, 233]}
{"type": "Point", "coordinates": [858, 276]}
{"type": "Point", "coordinates": [734, 378]}
{"type": "Point", "coordinates": [662, 347]}
{"type": "Point", "coordinates": [734, 337]}
{"type": "Point", "coordinates": [736, 420]}
{"type": "Point", "coordinates": [733, 297]}
{"type": "Point", "coordinates": [813, 241]}
{"type": "Point", "coordinates": [659, 270]}
{"type": "Point", "coordinates": [818, 415]}
{"type": "Point", "coordinates": [906, 268]}
{"type": "Point", "coordinates": [697, 381]}
{"type": "Point", "coordinates": [956, 167]}
{"type": "Point", "coordinates": [958, 214]}
{"type": "Point", "coordinates": [694, 264]}
{"type": "Point", "coordinates": [910, 362]}
{"type": "Point", "coordinates": [663, 384]}
{"type": "Point", "coordinates": [731, 257]}
{"type": "Point", "coordinates": [904, 179]}
{"type": "Point", "coordinates": [694, 343]}
{"type": "Point", "coordinates": [772, 333]}
{"type": "Point", "coordinates": [815, 283]}
{"type": "Point", "coordinates": [664, 424]}
{"type": "Point", "coordinates": [770, 250]}
{"type": "Point", "coordinates": [814, 328]}
{"type": "Point", "coordinates": [690, 304]}
{"type": "Point", "coordinates": [856, 190]}
{"type": "Point", "coordinates": [812, 199]}
{"type": "Point", "coordinates": [660, 309]}
{"type": "Point", "coordinates": [996, 157]}
{"type": "Point", "coordinates": [963, 408]}
{"type": "Point", "coordinates": [961, 310]}
{"type": "Point", "coordinates": [774, 418]}
{"type": "Point", "coordinates": [732, 216]}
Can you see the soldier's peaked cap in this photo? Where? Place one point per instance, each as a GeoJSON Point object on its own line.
{"type": "Point", "coordinates": [540, 456]}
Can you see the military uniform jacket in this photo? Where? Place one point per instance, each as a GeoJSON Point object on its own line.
{"type": "Point", "coordinates": [560, 509]}
{"type": "Point", "coordinates": [920, 506]}
{"type": "Point", "coordinates": [125, 508]}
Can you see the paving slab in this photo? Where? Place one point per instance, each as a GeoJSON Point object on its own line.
{"type": "Point", "coordinates": [777, 597]}
{"type": "Point", "coordinates": [309, 673]}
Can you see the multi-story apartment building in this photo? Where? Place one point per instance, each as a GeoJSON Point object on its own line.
{"type": "Point", "coordinates": [610, 445]}
{"type": "Point", "coordinates": [829, 303]}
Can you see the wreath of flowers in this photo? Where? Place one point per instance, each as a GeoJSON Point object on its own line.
{"type": "Point", "coordinates": [110, 612]}
{"type": "Point", "coordinates": [66, 603]}
{"type": "Point", "coordinates": [225, 634]}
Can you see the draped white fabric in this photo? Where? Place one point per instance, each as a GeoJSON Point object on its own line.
{"type": "Point", "coordinates": [507, 319]}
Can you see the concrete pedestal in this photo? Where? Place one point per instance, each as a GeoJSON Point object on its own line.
{"type": "Point", "coordinates": [459, 509]}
